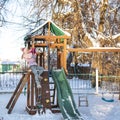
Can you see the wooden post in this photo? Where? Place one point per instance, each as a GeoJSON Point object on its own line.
{"type": "Point", "coordinates": [49, 28]}
{"type": "Point", "coordinates": [31, 106]}
{"type": "Point", "coordinates": [32, 91]}
{"type": "Point", "coordinates": [64, 58]}
{"type": "Point", "coordinates": [96, 80]}
{"type": "Point", "coordinates": [28, 92]}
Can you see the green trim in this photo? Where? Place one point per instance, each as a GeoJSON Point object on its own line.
{"type": "Point", "coordinates": [54, 29]}
{"type": "Point", "coordinates": [57, 31]}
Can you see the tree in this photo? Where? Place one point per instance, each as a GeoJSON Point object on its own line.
{"type": "Point", "coordinates": [2, 11]}
{"type": "Point", "coordinates": [92, 23]}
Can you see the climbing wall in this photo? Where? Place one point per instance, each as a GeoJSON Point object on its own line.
{"type": "Point", "coordinates": [45, 98]}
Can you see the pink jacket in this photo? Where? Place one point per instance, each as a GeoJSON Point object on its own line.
{"type": "Point", "coordinates": [30, 56]}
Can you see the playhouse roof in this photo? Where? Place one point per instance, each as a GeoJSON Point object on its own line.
{"type": "Point", "coordinates": [43, 29]}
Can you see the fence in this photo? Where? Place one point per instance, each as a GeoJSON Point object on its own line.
{"type": "Point", "coordinates": [9, 81]}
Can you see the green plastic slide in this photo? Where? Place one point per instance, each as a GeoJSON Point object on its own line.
{"type": "Point", "coordinates": [65, 97]}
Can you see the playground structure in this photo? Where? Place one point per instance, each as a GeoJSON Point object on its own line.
{"type": "Point", "coordinates": [43, 44]}
{"type": "Point", "coordinates": [55, 40]}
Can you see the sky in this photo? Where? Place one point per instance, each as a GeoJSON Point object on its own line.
{"type": "Point", "coordinates": [10, 44]}
{"type": "Point", "coordinates": [12, 33]}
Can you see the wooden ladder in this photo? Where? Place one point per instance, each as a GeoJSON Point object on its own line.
{"type": "Point", "coordinates": [17, 92]}
{"type": "Point", "coordinates": [33, 98]}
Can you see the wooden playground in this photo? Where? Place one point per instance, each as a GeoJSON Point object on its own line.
{"type": "Point", "coordinates": [48, 39]}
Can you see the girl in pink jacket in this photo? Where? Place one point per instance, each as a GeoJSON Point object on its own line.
{"type": "Point", "coordinates": [30, 56]}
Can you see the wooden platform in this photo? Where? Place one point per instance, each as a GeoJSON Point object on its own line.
{"type": "Point", "coordinates": [33, 93]}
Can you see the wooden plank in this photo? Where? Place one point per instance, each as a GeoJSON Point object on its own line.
{"type": "Point", "coordinates": [94, 49]}
{"type": "Point", "coordinates": [31, 101]}
{"type": "Point", "coordinates": [32, 91]}
{"type": "Point", "coordinates": [49, 28]}
{"type": "Point", "coordinates": [40, 44]}
{"type": "Point", "coordinates": [52, 45]}
{"type": "Point", "coordinates": [18, 93]}
{"type": "Point", "coordinates": [28, 92]}
{"type": "Point", "coordinates": [10, 101]}
{"type": "Point", "coordinates": [56, 45]}
{"type": "Point", "coordinates": [49, 37]}
{"type": "Point", "coordinates": [64, 55]}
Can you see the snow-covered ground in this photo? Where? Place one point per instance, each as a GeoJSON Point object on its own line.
{"type": "Point", "coordinates": [96, 110]}
{"type": "Point", "coordinates": [101, 110]}
{"type": "Point", "coordinates": [19, 112]}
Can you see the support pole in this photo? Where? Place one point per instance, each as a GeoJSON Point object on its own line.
{"type": "Point", "coordinates": [96, 80]}
{"type": "Point", "coordinates": [119, 91]}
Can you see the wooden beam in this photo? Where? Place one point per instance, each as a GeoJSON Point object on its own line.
{"type": "Point", "coordinates": [49, 28]}
{"type": "Point", "coordinates": [52, 45]}
{"type": "Point", "coordinates": [40, 45]}
{"type": "Point", "coordinates": [50, 37]}
{"type": "Point", "coordinates": [56, 45]}
{"type": "Point", "coordinates": [64, 56]}
{"type": "Point", "coordinates": [94, 49]}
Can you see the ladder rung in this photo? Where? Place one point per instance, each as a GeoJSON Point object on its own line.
{"type": "Point", "coordinates": [51, 83]}
{"type": "Point", "coordinates": [52, 89]}
{"type": "Point", "coordinates": [83, 101]}
{"type": "Point", "coordinates": [52, 96]}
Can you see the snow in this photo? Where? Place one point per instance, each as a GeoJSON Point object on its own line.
{"type": "Point", "coordinates": [115, 36]}
{"type": "Point", "coordinates": [97, 109]}
{"type": "Point", "coordinates": [19, 112]}
{"type": "Point", "coordinates": [101, 110]}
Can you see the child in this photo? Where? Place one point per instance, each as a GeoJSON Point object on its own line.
{"type": "Point", "coordinates": [30, 56]}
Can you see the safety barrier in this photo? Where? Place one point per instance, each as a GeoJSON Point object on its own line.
{"type": "Point", "coordinates": [9, 81]}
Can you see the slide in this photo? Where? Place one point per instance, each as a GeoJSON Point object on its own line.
{"type": "Point", "coordinates": [65, 97]}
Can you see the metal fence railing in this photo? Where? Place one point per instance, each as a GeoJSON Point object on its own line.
{"type": "Point", "coordinates": [9, 81]}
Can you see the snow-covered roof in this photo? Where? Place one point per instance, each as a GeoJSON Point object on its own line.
{"type": "Point", "coordinates": [52, 25]}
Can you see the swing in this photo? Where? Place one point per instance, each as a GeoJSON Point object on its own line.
{"type": "Point", "coordinates": [106, 99]}
{"type": "Point", "coordinates": [108, 96]}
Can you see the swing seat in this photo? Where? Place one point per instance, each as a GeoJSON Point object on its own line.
{"type": "Point", "coordinates": [107, 100]}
